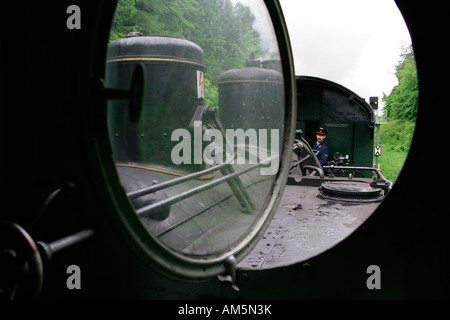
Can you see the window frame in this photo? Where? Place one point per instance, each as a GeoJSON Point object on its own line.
{"type": "Point", "coordinates": [117, 206]}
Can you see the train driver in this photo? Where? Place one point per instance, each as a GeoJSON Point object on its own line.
{"type": "Point", "coordinates": [320, 148]}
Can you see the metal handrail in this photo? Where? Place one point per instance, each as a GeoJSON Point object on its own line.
{"type": "Point", "coordinates": [378, 172]}
{"type": "Point", "coordinates": [170, 183]}
{"type": "Point", "coordinates": [179, 197]}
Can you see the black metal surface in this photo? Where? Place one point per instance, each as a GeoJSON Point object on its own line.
{"type": "Point", "coordinates": [350, 192]}
{"type": "Point", "coordinates": [170, 65]}
{"type": "Point", "coordinates": [251, 98]}
{"type": "Point", "coordinates": [305, 226]}
{"type": "Point", "coordinates": [353, 188]}
{"type": "Point", "coordinates": [146, 47]}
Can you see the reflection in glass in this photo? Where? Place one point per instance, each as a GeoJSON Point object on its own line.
{"type": "Point", "coordinates": [199, 162]}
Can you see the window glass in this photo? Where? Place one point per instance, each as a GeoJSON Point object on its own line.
{"type": "Point", "coordinates": [199, 159]}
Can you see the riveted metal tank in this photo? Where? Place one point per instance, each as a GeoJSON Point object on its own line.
{"type": "Point", "coordinates": [173, 77]}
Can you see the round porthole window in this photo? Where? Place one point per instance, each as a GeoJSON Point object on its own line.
{"type": "Point", "coordinates": [199, 114]}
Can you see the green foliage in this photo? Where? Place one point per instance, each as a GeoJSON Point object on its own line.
{"type": "Point", "coordinates": [397, 135]}
{"type": "Point", "coordinates": [211, 94]}
{"type": "Point", "coordinates": [402, 103]}
{"type": "Point", "coordinates": [124, 21]}
{"type": "Point", "coordinates": [391, 163]}
{"type": "Point", "coordinates": [406, 54]}
{"type": "Point", "coordinates": [165, 17]}
{"type": "Point", "coordinates": [395, 140]}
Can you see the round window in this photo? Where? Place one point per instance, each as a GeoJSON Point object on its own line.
{"type": "Point", "coordinates": [200, 127]}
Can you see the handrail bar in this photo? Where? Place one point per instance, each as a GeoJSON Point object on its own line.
{"type": "Point", "coordinates": [378, 172]}
{"type": "Point", "coordinates": [170, 183]}
{"type": "Point", "coordinates": [179, 197]}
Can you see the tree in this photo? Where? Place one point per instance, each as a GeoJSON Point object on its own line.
{"type": "Point", "coordinates": [402, 103]}
{"type": "Point", "coordinates": [124, 21]}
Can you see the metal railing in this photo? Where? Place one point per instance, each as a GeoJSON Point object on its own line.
{"type": "Point", "coordinates": [229, 176]}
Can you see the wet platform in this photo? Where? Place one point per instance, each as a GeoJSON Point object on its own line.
{"type": "Point", "coordinates": [305, 226]}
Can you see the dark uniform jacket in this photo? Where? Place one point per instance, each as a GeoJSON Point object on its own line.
{"type": "Point", "coordinates": [321, 151]}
